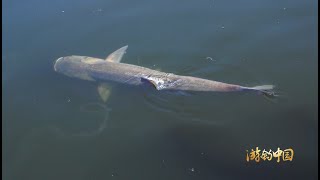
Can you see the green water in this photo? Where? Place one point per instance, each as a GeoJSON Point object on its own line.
{"type": "Point", "coordinates": [55, 127]}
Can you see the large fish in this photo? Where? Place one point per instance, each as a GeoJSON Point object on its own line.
{"type": "Point", "coordinates": [112, 70]}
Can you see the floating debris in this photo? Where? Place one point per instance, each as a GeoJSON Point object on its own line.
{"type": "Point", "coordinates": [203, 155]}
{"type": "Point", "coordinates": [114, 174]}
{"type": "Point", "coordinates": [210, 58]}
{"type": "Point", "coordinates": [163, 163]}
{"type": "Point", "coordinates": [192, 171]}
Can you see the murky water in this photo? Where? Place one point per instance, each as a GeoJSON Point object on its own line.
{"type": "Point", "coordinates": [55, 127]}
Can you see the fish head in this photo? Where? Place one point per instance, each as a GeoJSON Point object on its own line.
{"type": "Point", "coordinates": [76, 66]}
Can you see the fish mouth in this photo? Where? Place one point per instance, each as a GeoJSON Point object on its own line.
{"type": "Point", "coordinates": [56, 62]}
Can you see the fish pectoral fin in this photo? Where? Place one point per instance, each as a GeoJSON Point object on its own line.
{"type": "Point", "coordinates": [117, 55]}
{"type": "Point", "coordinates": [155, 82]}
{"type": "Point", "coordinates": [104, 91]}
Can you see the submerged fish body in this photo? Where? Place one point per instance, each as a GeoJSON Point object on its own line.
{"type": "Point", "coordinates": [112, 70]}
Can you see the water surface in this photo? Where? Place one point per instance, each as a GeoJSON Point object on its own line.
{"type": "Point", "coordinates": [55, 127]}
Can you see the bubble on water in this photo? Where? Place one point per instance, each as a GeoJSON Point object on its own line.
{"type": "Point", "coordinates": [97, 10]}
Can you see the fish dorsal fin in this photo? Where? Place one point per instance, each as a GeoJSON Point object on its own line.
{"type": "Point", "coordinates": [116, 56]}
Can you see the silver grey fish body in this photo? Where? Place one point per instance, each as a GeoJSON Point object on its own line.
{"type": "Point", "coordinates": [95, 69]}
{"type": "Point", "coordinates": [137, 75]}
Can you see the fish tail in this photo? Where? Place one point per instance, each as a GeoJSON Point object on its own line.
{"type": "Point", "coordinates": [265, 90]}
